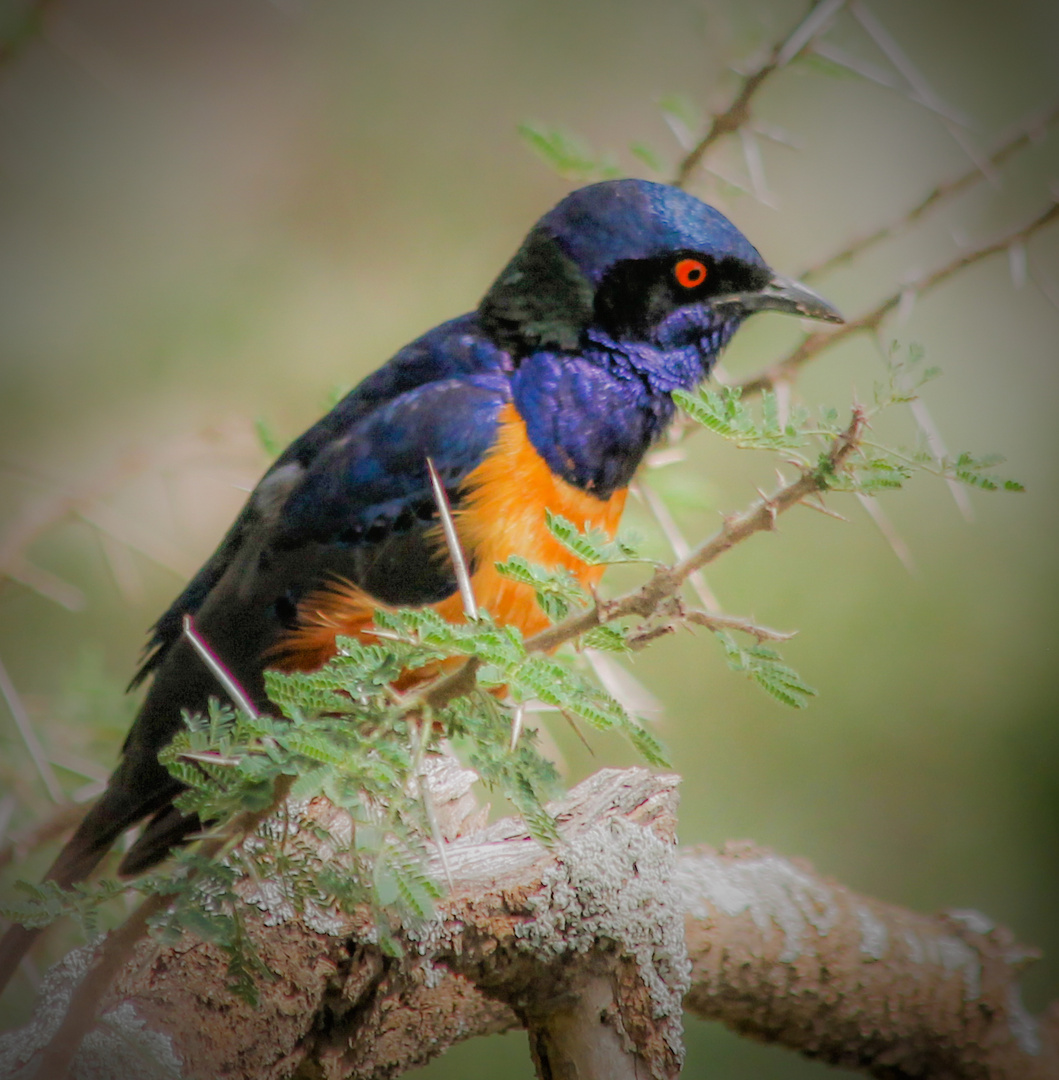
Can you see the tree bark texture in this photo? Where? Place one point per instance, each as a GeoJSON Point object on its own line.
{"type": "Point", "coordinates": [592, 947]}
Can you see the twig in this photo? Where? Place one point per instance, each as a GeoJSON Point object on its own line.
{"type": "Point", "coordinates": [7, 812]}
{"type": "Point", "coordinates": [732, 622]}
{"type": "Point", "coordinates": [85, 501]}
{"type": "Point", "coordinates": [1023, 135]}
{"type": "Point", "coordinates": [738, 112]}
{"type": "Point", "coordinates": [677, 541]}
{"type": "Point", "coordinates": [208, 757]}
{"type": "Point", "coordinates": [44, 582]}
{"type": "Point", "coordinates": [29, 736]}
{"type": "Point", "coordinates": [901, 61]}
{"type": "Point", "coordinates": [817, 342]}
{"type": "Point", "coordinates": [666, 581]}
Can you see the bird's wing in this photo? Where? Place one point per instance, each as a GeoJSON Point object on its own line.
{"type": "Point", "coordinates": [454, 350]}
{"type": "Point", "coordinates": [362, 511]}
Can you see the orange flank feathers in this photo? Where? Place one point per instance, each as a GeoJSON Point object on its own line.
{"type": "Point", "coordinates": [501, 514]}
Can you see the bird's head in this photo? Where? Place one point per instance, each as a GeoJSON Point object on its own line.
{"type": "Point", "coordinates": [638, 264]}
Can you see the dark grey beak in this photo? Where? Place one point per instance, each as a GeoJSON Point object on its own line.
{"type": "Point", "coordinates": [786, 294]}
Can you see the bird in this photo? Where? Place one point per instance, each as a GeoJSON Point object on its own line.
{"type": "Point", "coordinates": [546, 397]}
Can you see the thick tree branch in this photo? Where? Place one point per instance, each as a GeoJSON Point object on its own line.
{"type": "Point", "coordinates": [783, 954]}
{"type": "Point", "coordinates": [84, 1006]}
{"type": "Point", "coordinates": [583, 946]}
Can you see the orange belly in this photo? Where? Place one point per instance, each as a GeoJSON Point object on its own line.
{"type": "Point", "coordinates": [501, 514]}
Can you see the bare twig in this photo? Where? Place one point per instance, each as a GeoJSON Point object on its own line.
{"type": "Point", "coordinates": [817, 342]}
{"type": "Point", "coordinates": [19, 844]}
{"type": "Point", "coordinates": [29, 736]}
{"type": "Point", "coordinates": [84, 501]}
{"type": "Point", "coordinates": [677, 541]}
{"type": "Point", "coordinates": [1024, 134]}
{"type": "Point", "coordinates": [738, 112]}
{"type": "Point", "coordinates": [666, 581]}
{"type": "Point", "coordinates": [712, 621]}
{"type": "Point", "coordinates": [921, 90]}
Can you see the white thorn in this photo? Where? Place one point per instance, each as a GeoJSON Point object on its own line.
{"type": "Point", "coordinates": [516, 723]}
{"type": "Point", "coordinates": [220, 672]}
{"type": "Point", "coordinates": [452, 542]}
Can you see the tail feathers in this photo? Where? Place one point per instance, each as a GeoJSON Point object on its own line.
{"type": "Point", "coordinates": [167, 829]}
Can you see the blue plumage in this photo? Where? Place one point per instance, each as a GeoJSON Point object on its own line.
{"type": "Point", "coordinates": [600, 225]}
{"type": "Point", "coordinates": [623, 292]}
{"type": "Point", "coordinates": [586, 330]}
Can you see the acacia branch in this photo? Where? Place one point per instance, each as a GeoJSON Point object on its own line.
{"type": "Point", "coordinates": [738, 113]}
{"type": "Point", "coordinates": [667, 581]}
{"type": "Point", "coordinates": [717, 622]}
{"type": "Point", "coordinates": [785, 369]}
{"type": "Point", "coordinates": [1025, 133]}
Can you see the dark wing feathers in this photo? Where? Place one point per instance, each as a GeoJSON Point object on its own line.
{"type": "Point", "coordinates": [378, 428]}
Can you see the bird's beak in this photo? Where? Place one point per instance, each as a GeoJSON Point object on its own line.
{"type": "Point", "coordinates": [781, 294]}
{"type": "Point", "coordinates": [786, 294]}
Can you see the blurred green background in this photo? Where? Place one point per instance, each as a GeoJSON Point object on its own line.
{"type": "Point", "coordinates": [215, 213]}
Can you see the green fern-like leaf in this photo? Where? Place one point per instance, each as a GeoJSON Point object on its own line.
{"type": "Point", "coordinates": [764, 666]}
{"type": "Point", "coordinates": [591, 546]}
{"type": "Point", "coordinates": [725, 414]}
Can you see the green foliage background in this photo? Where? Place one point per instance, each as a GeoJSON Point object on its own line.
{"type": "Point", "coordinates": [214, 214]}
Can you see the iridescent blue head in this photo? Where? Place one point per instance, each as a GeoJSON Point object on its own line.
{"type": "Point", "coordinates": [624, 292]}
{"type": "Point", "coordinates": [630, 262]}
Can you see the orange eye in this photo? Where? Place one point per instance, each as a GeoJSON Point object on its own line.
{"type": "Point", "coordinates": [690, 273]}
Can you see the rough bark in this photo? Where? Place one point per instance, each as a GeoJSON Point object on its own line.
{"type": "Point", "coordinates": [785, 955]}
{"type": "Point", "coordinates": [591, 948]}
